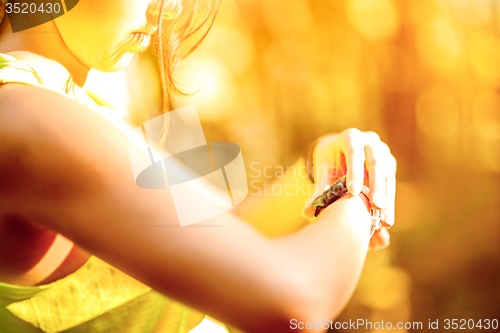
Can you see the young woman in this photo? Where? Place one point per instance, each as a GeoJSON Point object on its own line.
{"type": "Point", "coordinates": [68, 197]}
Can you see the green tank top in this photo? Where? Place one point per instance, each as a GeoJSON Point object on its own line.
{"type": "Point", "coordinates": [97, 297]}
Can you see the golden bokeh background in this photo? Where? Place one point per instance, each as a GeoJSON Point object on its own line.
{"type": "Point", "coordinates": [425, 74]}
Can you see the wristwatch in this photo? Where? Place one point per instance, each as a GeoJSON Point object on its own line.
{"type": "Point", "coordinates": [335, 191]}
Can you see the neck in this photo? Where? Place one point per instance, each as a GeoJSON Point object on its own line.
{"type": "Point", "coordinates": [43, 49]}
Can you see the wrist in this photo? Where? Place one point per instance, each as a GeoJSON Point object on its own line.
{"type": "Point", "coordinates": [337, 192]}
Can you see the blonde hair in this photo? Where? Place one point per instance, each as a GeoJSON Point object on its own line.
{"type": "Point", "coordinates": [177, 41]}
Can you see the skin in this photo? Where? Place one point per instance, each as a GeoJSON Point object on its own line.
{"type": "Point", "coordinates": [106, 49]}
{"type": "Point", "coordinates": [91, 35]}
{"type": "Point", "coordinates": [69, 194]}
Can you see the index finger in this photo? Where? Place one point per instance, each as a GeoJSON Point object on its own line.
{"type": "Point", "coordinates": [352, 145]}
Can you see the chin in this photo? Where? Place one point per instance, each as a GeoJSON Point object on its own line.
{"type": "Point", "coordinates": [115, 66]}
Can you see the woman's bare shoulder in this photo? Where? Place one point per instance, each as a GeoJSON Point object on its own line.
{"type": "Point", "coordinates": [37, 102]}
{"type": "Point", "coordinates": [54, 144]}
{"type": "Point", "coordinates": [43, 114]}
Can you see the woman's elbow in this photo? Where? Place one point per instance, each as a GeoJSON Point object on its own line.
{"type": "Point", "coordinates": [307, 303]}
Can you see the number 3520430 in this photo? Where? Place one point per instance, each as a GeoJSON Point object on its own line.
{"type": "Point", "coordinates": [32, 8]}
{"type": "Point", "coordinates": [462, 324]}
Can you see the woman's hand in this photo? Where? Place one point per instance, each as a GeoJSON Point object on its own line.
{"type": "Point", "coordinates": [365, 159]}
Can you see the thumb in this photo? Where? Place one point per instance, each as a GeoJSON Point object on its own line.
{"type": "Point", "coordinates": [308, 210]}
{"type": "Point", "coordinates": [335, 191]}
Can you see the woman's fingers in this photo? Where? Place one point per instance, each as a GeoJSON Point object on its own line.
{"type": "Point", "coordinates": [352, 144]}
{"type": "Point", "coordinates": [355, 150]}
{"type": "Point", "coordinates": [382, 170]}
{"type": "Point", "coordinates": [377, 155]}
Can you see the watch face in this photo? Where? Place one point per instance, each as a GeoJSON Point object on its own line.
{"type": "Point", "coordinates": [333, 193]}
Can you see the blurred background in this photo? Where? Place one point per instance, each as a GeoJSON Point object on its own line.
{"type": "Point", "coordinates": [272, 76]}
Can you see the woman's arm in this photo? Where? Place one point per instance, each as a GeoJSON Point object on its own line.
{"type": "Point", "coordinates": [361, 156]}
{"type": "Point", "coordinates": [66, 168]}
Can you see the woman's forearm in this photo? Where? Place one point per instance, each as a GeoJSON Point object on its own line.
{"type": "Point", "coordinates": [329, 255]}
{"type": "Point", "coordinates": [82, 187]}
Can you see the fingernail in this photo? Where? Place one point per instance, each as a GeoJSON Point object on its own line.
{"type": "Point", "coordinates": [355, 187]}
{"type": "Point", "coordinates": [308, 212]}
{"type": "Point", "coordinates": [379, 247]}
{"type": "Point", "coordinates": [379, 200]}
